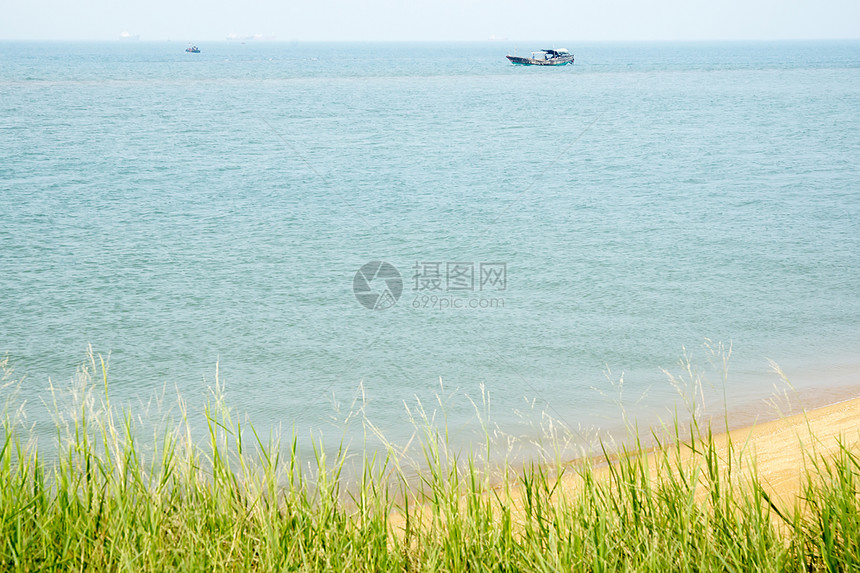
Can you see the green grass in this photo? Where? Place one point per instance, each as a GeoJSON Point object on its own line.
{"type": "Point", "coordinates": [118, 498]}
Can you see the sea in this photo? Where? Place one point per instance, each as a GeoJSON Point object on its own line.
{"type": "Point", "coordinates": [346, 238]}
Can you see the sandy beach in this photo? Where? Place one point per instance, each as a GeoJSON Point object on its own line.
{"type": "Point", "coordinates": [779, 451]}
{"type": "Point", "coordinates": [782, 448]}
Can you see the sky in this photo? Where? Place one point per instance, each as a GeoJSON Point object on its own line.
{"type": "Point", "coordinates": [430, 20]}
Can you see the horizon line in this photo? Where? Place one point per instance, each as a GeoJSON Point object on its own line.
{"type": "Point", "coordinates": [275, 40]}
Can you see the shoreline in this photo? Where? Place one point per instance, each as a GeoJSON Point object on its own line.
{"type": "Point", "coordinates": [781, 448]}
{"type": "Point", "coordinates": [750, 414]}
{"type": "Point", "coordinates": [778, 454]}
{"type": "Point", "coordinates": [809, 388]}
{"type": "Point", "coordinates": [778, 449]}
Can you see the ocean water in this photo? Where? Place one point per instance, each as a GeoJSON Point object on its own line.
{"type": "Point", "coordinates": [545, 230]}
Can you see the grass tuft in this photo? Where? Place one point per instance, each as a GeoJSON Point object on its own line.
{"type": "Point", "coordinates": [111, 500]}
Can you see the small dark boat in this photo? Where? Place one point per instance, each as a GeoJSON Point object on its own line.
{"type": "Point", "coordinates": [557, 57]}
{"type": "Point", "coordinates": [193, 50]}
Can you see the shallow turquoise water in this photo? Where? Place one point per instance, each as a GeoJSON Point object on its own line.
{"type": "Point", "coordinates": [179, 210]}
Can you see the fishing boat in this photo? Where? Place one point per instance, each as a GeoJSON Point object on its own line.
{"type": "Point", "coordinates": [557, 57]}
{"type": "Point", "coordinates": [193, 50]}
